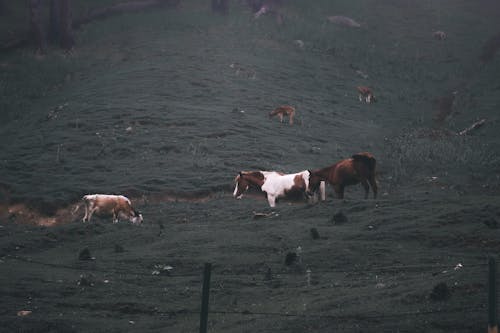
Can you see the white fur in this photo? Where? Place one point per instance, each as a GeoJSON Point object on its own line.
{"type": "Point", "coordinates": [275, 184]}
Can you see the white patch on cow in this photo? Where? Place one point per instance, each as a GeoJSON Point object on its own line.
{"type": "Point", "coordinates": [118, 206]}
{"type": "Point", "coordinates": [275, 184]}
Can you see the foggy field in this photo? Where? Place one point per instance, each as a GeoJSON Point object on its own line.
{"type": "Point", "coordinates": [166, 105]}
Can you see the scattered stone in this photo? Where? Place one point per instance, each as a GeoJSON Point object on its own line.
{"type": "Point", "coordinates": [24, 313]}
{"type": "Point", "coordinates": [86, 281]}
{"type": "Point", "coordinates": [491, 223]}
{"type": "Point", "coordinates": [119, 248]}
{"type": "Point", "coordinates": [299, 43]}
{"type": "Point", "coordinates": [85, 255]}
{"type": "Point", "coordinates": [314, 233]}
{"type": "Point", "coordinates": [439, 35]}
{"type": "Point", "coordinates": [257, 215]}
{"type": "Point", "coordinates": [344, 21]}
{"type": "Point", "coordinates": [339, 218]}
{"type": "Point", "coordinates": [291, 257]}
{"type": "Point", "coordinates": [269, 275]}
{"type": "Point", "coordinates": [161, 269]}
{"type": "Point", "coordinates": [440, 292]}
{"type": "Point", "coordinates": [270, 280]}
{"type": "Point", "coordinates": [361, 74]}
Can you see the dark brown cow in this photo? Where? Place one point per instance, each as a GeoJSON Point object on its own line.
{"type": "Point", "coordinates": [360, 168]}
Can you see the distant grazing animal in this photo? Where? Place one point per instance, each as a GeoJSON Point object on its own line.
{"type": "Point", "coordinates": [282, 111]}
{"type": "Point", "coordinates": [274, 184]}
{"type": "Point", "coordinates": [261, 7]}
{"type": "Point", "coordinates": [343, 20]}
{"type": "Point", "coordinates": [439, 35]}
{"type": "Point", "coordinates": [106, 204]}
{"type": "Point", "coordinates": [360, 168]}
{"type": "Point", "coordinates": [366, 94]}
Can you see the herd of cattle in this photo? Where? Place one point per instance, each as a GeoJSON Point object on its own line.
{"type": "Point", "coordinates": [360, 168]}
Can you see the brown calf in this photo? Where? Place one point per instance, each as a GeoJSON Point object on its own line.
{"type": "Point", "coordinates": [282, 111]}
{"type": "Point", "coordinates": [366, 94]}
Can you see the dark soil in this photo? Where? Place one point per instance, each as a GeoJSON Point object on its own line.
{"type": "Point", "coordinates": [167, 105]}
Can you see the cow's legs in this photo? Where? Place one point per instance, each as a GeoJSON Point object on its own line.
{"type": "Point", "coordinates": [85, 218]}
{"type": "Point", "coordinates": [322, 190]}
{"type": "Point", "coordinates": [272, 200]}
{"type": "Point", "coordinates": [91, 211]}
{"type": "Point", "coordinates": [364, 183]}
{"type": "Point", "coordinates": [115, 217]}
{"type": "Point", "coordinates": [374, 186]}
{"type": "Point", "coordinates": [339, 189]}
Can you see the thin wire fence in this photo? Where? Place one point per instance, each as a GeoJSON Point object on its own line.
{"type": "Point", "coordinates": [298, 279]}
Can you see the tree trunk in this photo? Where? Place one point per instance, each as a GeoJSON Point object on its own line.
{"type": "Point", "coordinates": [36, 26]}
{"type": "Point", "coordinates": [220, 6]}
{"type": "Point", "coordinates": [54, 21]}
{"type": "Point", "coordinates": [124, 7]}
{"type": "Point", "coordinates": [66, 32]}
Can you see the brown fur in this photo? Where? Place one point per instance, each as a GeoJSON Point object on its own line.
{"type": "Point", "coordinates": [298, 188]}
{"type": "Point", "coordinates": [360, 168]}
{"type": "Point", "coordinates": [366, 94]}
{"type": "Point", "coordinates": [108, 205]}
{"type": "Point", "coordinates": [245, 179]}
{"type": "Point", "coordinates": [282, 111]}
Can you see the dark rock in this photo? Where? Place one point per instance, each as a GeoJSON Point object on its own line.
{"type": "Point", "coordinates": [291, 257]}
{"type": "Point", "coordinates": [440, 292]}
{"type": "Point", "coordinates": [119, 248]}
{"type": "Point", "coordinates": [86, 281]}
{"type": "Point", "coordinates": [491, 223]}
{"type": "Point", "coordinates": [339, 218]}
{"type": "Point", "coordinates": [269, 275]}
{"type": "Point", "coordinates": [314, 233]}
{"type": "Point", "coordinates": [85, 255]}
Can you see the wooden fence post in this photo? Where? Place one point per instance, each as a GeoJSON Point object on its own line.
{"type": "Point", "coordinates": [492, 298]}
{"type": "Point", "coordinates": [205, 297]}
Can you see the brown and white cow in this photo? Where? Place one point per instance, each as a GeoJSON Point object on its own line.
{"type": "Point", "coordinates": [274, 184]}
{"type": "Point", "coordinates": [107, 204]}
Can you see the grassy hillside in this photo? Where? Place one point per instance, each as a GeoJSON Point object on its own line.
{"type": "Point", "coordinates": [168, 105]}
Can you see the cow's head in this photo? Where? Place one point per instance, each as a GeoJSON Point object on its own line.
{"type": "Point", "coordinates": [314, 182]}
{"type": "Point", "coordinates": [136, 217]}
{"type": "Point", "coordinates": [241, 186]}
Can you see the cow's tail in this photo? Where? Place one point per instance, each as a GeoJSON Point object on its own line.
{"type": "Point", "coordinates": [368, 159]}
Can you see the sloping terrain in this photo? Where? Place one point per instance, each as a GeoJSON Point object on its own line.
{"type": "Point", "coordinates": [167, 106]}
